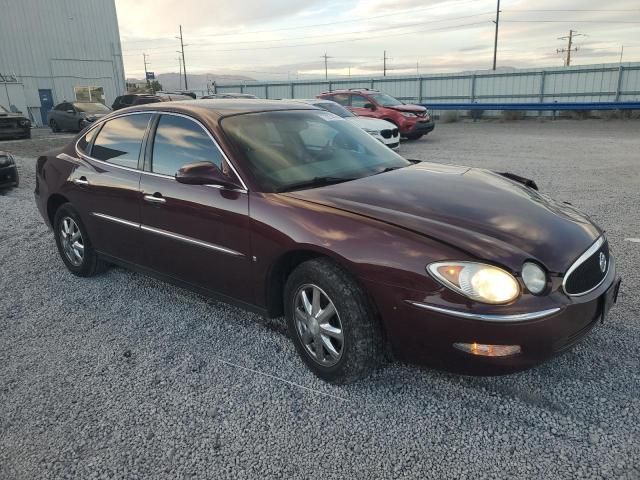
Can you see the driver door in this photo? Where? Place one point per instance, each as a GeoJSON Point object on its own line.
{"type": "Point", "coordinates": [357, 106]}
{"type": "Point", "coordinates": [198, 234]}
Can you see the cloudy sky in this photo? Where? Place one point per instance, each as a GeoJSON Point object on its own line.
{"type": "Point", "coordinates": [280, 39]}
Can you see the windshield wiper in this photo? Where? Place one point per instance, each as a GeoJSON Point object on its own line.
{"type": "Point", "coordinates": [388, 169]}
{"type": "Point", "coordinates": [315, 182]}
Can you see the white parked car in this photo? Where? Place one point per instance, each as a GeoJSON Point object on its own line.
{"type": "Point", "coordinates": [382, 130]}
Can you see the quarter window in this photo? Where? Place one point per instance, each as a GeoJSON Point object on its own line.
{"type": "Point", "coordinates": [120, 140]}
{"type": "Point", "coordinates": [85, 140]}
{"type": "Point", "coordinates": [180, 141]}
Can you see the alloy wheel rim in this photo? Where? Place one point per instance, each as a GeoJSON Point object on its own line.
{"type": "Point", "coordinates": [72, 241]}
{"type": "Point", "coordinates": [318, 325]}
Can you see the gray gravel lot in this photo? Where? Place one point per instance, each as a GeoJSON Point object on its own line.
{"type": "Point", "coordinates": [122, 376]}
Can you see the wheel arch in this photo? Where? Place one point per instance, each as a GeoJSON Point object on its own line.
{"type": "Point", "coordinates": [54, 202]}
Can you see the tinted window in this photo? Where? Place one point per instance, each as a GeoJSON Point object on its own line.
{"type": "Point", "coordinates": [359, 101]}
{"type": "Point", "coordinates": [341, 98]}
{"type": "Point", "coordinates": [85, 140]}
{"type": "Point", "coordinates": [63, 107]}
{"type": "Point", "coordinates": [120, 140]}
{"type": "Point", "coordinates": [180, 141]}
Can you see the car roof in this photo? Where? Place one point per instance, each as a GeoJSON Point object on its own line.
{"type": "Point", "coordinates": [351, 90]}
{"type": "Point", "coordinates": [216, 108]}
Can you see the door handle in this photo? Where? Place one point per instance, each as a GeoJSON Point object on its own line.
{"type": "Point", "coordinates": [155, 198]}
{"type": "Point", "coordinates": [81, 181]}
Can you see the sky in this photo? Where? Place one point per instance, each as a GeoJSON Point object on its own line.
{"type": "Point", "coordinates": [286, 39]}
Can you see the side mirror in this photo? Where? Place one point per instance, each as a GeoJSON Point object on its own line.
{"type": "Point", "coordinates": [369, 106]}
{"type": "Point", "coordinates": [204, 173]}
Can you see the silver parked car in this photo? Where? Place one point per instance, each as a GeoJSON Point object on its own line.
{"type": "Point", "coordinates": [74, 116]}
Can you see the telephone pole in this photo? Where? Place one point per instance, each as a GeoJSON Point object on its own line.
{"type": "Point", "coordinates": [326, 68]}
{"type": "Point", "coordinates": [384, 64]}
{"type": "Point", "coordinates": [569, 49]}
{"type": "Point", "coordinates": [495, 40]}
{"type": "Point", "coordinates": [184, 64]}
{"type": "Point", "coordinates": [144, 56]}
{"type": "Point", "coordinates": [180, 73]}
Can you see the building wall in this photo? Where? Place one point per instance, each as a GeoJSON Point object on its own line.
{"type": "Point", "coordinates": [59, 45]}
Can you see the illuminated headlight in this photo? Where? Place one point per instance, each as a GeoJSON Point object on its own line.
{"type": "Point", "coordinates": [371, 131]}
{"type": "Point", "coordinates": [534, 277]}
{"type": "Point", "coordinates": [408, 114]}
{"type": "Point", "coordinates": [478, 281]}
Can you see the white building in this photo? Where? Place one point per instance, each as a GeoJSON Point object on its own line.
{"type": "Point", "coordinates": [55, 50]}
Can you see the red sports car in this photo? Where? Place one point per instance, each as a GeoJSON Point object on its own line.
{"type": "Point", "coordinates": [283, 208]}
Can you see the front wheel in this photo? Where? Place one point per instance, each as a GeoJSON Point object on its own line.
{"type": "Point", "coordinates": [54, 126]}
{"type": "Point", "coordinates": [331, 322]}
{"type": "Point", "coordinates": [74, 244]}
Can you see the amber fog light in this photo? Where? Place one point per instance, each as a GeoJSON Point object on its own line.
{"type": "Point", "coordinates": [488, 350]}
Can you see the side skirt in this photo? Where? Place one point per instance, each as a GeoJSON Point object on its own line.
{"type": "Point", "coordinates": [187, 286]}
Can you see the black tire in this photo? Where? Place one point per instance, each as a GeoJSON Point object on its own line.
{"type": "Point", "coordinates": [28, 135]}
{"type": "Point", "coordinates": [17, 183]}
{"type": "Point", "coordinates": [362, 346]}
{"type": "Point", "coordinates": [415, 136]}
{"type": "Point", "coordinates": [91, 264]}
{"type": "Point", "coordinates": [53, 125]}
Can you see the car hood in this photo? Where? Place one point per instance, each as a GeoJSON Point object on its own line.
{"type": "Point", "coordinates": [477, 211]}
{"type": "Point", "coordinates": [371, 123]}
{"type": "Point", "coordinates": [409, 108]}
{"type": "Point", "coordinates": [11, 115]}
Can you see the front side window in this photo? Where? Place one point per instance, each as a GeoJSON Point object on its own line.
{"type": "Point", "coordinates": [359, 101]}
{"type": "Point", "coordinates": [312, 148]}
{"type": "Point", "coordinates": [120, 140]}
{"type": "Point", "coordinates": [180, 141]}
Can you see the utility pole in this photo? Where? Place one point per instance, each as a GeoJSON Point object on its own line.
{"type": "Point", "coordinates": [184, 65]}
{"type": "Point", "coordinates": [326, 68]}
{"type": "Point", "coordinates": [569, 49]}
{"type": "Point", "coordinates": [418, 68]}
{"type": "Point", "coordinates": [144, 56]}
{"type": "Point", "coordinates": [495, 40]}
{"type": "Point", "coordinates": [384, 64]}
{"type": "Point", "coordinates": [621, 52]}
{"type": "Point", "coordinates": [179, 72]}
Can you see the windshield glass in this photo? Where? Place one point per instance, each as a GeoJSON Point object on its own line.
{"type": "Point", "coordinates": [385, 100]}
{"type": "Point", "coordinates": [289, 148]}
{"type": "Point", "coordinates": [336, 108]}
{"type": "Point", "coordinates": [90, 107]}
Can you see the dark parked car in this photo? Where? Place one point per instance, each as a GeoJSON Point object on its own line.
{"type": "Point", "coordinates": [283, 208]}
{"type": "Point", "coordinates": [8, 171]}
{"type": "Point", "coordinates": [228, 95]}
{"type": "Point", "coordinates": [133, 99]}
{"type": "Point", "coordinates": [75, 116]}
{"type": "Point", "coordinates": [413, 121]}
{"type": "Point", "coordinates": [13, 125]}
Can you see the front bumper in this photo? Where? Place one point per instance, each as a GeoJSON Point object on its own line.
{"type": "Point", "coordinates": [421, 127]}
{"type": "Point", "coordinates": [14, 132]}
{"type": "Point", "coordinates": [8, 176]}
{"type": "Point", "coordinates": [426, 336]}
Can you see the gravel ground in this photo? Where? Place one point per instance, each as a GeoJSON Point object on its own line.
{"type": "Point", "coordinates": [122, 376]}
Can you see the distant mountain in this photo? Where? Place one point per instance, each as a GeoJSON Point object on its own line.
{"type": "Point", "coordinates": [197, 82]}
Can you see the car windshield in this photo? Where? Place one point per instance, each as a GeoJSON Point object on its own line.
{"type": "Point", "coordinates": [91, 107]}
{"type": "Point", "coordinates": [336, 108]}
{"type": "Point", "coordinates": [385, 100]}
{"type": "Point", "coordinates": [290, 150]}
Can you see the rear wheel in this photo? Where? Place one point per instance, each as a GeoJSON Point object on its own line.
{"type": "Point", "coordinates": [331, 322]}
{"type": "Point", "coordinates": [74, 244]}
{"type": "Point", "coordinates": [54, 126]}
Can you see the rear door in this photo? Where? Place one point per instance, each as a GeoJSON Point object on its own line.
{"type": "Point", "coordinates": [198, 234]}
{"type": "Point", "coordinates": [107, 184]}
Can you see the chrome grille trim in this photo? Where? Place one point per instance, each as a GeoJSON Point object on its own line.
{"type": "Point", "coordinates": [583, 258]}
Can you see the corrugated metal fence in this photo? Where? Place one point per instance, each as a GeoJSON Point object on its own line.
{"type": "Point", "coordinates": [587, 83]}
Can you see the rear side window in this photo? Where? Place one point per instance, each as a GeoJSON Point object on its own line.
{"type": "Point", "coordinates": [120, 140]}
{"type": "Point", "coordinates": [359, 101]}
{"type": "Point", "coordinates": [341, 98]}
{"type": "Point", "coordinates": [85, 140]}
{"type": "Point", "coordinates": [180, 141]}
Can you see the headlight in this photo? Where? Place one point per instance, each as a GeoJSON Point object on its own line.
{"type": "Point", "coordinates": [6, 160]}
{"type": "Point", "coordinates": [24, 122]}
{"type": "Point", "coordinates": [534, 277]}
{"type": "Point", "coordinates": [478, 281]}
{"type": "Point", "coordinates": [371, 132]}
{"type": "Point", "coordinates": [408, 114]}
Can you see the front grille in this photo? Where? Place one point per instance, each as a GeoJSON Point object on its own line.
{"type": "Point", "coordinates": [6, 123]}
{"type": "Point", "coordinates": [385, 133]}
{"type": "Point", "coordinates": [587, 272]}
{"type": "Point", "coordinates": [394, 132]}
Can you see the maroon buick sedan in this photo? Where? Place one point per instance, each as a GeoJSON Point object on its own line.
{"type": "Point", "coordinates": [283, 208]}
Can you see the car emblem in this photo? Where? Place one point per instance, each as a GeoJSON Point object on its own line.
{"type": "Point", "coordinates": [603, 262]}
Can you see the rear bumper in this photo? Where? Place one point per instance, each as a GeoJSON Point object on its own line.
{"type": "Point", "coordinates": [419, 334]}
